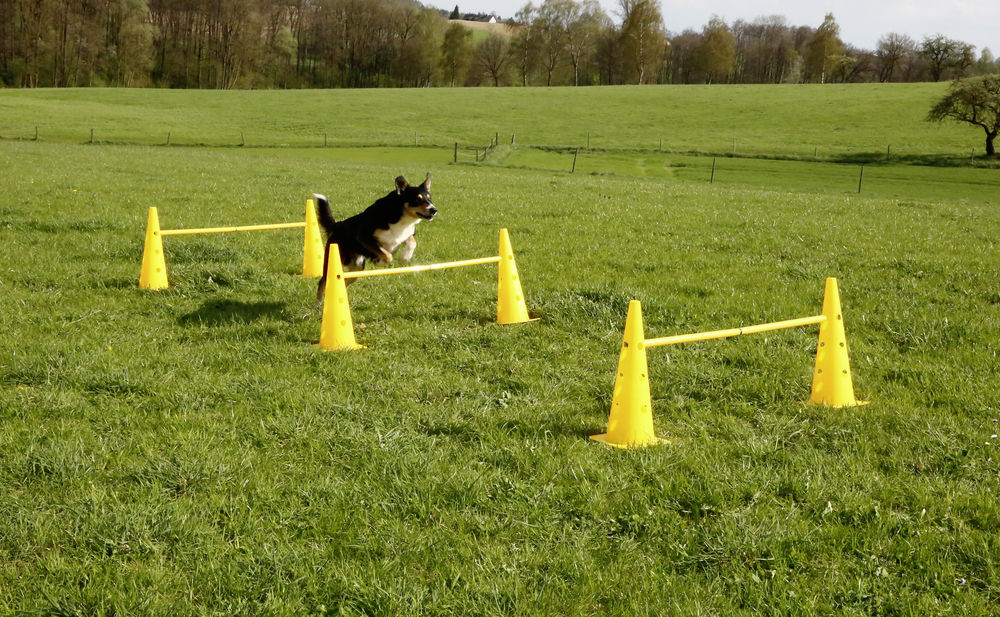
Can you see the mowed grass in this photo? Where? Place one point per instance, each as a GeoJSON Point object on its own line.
{"type": "Point", "coordinates": [830, 120]}
{"type": "Point", "coordinates": [190, 452]}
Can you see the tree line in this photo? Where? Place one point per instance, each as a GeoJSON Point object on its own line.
{"type": "Point", "coordinates": [226, 44]}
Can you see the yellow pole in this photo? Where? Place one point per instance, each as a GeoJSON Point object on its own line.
{"type": "Point", "coordinates": [220, 230]}
{"type": "Point", "coordinates": [408, 269]}
{"type": "Point", "coordinates": [717, 334]}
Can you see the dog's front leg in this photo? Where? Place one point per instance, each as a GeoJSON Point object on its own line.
{"type": "Point", "coordinates": [409, 245]}
{"type": "Point", "coordinates": [376, 249]}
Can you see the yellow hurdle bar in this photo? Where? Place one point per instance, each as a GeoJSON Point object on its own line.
{"type": "Point", "coordinates": [219, 230]}
{"type": "Point", "coordinates": [707, 336]}
{"type": "Point", "coordinates": [440, 266]}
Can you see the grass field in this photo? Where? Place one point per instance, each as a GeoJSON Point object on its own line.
{"type": "Point", "coordinates": [189, 452]}
{"type": "Point", "coordinates": [795, 120]}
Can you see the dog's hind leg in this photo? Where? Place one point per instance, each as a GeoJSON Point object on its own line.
{"type": "Point", "coordinates": [406, 252]}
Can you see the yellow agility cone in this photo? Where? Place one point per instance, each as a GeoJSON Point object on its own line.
{"type": "Point", "coordinates": [510, 299]}
{"type": "Point", "coordinates": [832, 384]}
{"type": "Point", "coordinates": [631, 421]}
{"type": "Point", "coordinates": [312, 252]}
{"type": "Point", "coordinates": [154, 265]}
{"type": "Point", "coordinates": [337, 330]}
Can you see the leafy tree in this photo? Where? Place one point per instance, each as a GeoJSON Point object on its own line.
{"type": "Point", "coordinates": [456, 51]}
{"type": "Point", "coordinates": [585, 24]}
{"type": "Point", "coordinates": [455, 14]}
{"type": "Point", "coordinates": [823, 50]}
{"type": "Point", "coordinates": [976, 101]}
{"type": "Point", "coordinates": [643, 38]}
{"type": "Point", "coordinates": [717, 53]}
{"type": "Point", "coordinates": [524, 44]}
{"type": "Point", "coordinates": [943, 54]}
{"type": "Point", "coordinates": [551, 28]}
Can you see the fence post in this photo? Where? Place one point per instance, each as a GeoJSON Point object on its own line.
{"type": "Point", "coordinates": [36, 133]}
{"type": "Point", "coordinates": [456, 151]}
{"type": "Point", "coordinates": [712, 180]}
{"type": "Point", "coordinates": [168, 138]}
{"type": "Point", "coordinates": [572, 171]}
{"type": "Point", "coordinates": [91, 135]}
{"type": "Point", "coordinates": [861, 178]}
{"type": "Point", "coordinates": [243, 140]}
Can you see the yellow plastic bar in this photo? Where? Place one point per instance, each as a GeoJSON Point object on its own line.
{"type": "Point", "coordinates": [716, 334]}
{"type": "Point", "coordinates": [219, 230]}
{"type": "Point", "coordinates": [440, 266]}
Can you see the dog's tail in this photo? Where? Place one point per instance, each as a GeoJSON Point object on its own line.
{"type": "Point", "coordinates": [324, 214]}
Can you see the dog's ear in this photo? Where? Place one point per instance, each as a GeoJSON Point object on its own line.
{"type": "Point", "coordinates": [401, 185]}
{"type": "Point", "coordinates": [427, 182]}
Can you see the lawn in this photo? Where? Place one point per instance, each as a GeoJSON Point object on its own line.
{"type": "Point", "coordinates": [190, 452]}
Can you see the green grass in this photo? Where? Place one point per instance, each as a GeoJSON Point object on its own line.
{"type": "Point", "coordinates": [190, 452]}
{"type": "Point", "coordinates": [795, 120]}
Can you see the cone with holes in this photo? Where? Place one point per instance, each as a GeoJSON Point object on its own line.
{"type": "Point", "coordinates": [832, 385]}
{"type": "Point", "coordinates": [630, 424]}
{"type": "Point", "coordinates": [154, 265]}
{"type": "Point", "coordinates": [312, 252]}
{"type": "Point", "coordinates": [337, 330]}
{"type": "Point", "coordinates": [510, 299]}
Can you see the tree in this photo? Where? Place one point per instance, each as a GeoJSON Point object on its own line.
{"type": "Point", "coordinates": [823, 50]}
{"type": "Point", "coordinates": [943, 53]}
{"type": "Point", "coordinates": [455, 14]}
{"type": "Point", "coordinates": [455, 52]}
{"type": "Point", "coordinates": [493, 57]}
{"type": "Point", "coordinates": [524, 45]}
{"type": "Point", "coordinates": [976, 101]}
{"type": "Point", "coordinates": [642, 38]}
{"type": "Point", "coordinates": [717, 53]}
{"type": "Point", "coordinates": [585, 25]}
{"type": "Point", "coordinates": [892, 49]}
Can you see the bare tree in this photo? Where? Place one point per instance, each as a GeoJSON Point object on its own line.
{"type": "Point", "coordinates": [493, 57]}
{"type": "Point", "coordinates": [892, 50]}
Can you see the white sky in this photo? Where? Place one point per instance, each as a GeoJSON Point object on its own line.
{"type": "Point", "coordinates": [862, 22]}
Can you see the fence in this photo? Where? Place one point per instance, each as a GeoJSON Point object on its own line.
{"type": "Point", "coordinates": [630, 423]}
{"type": "Point", "coordinates": [337, 330]}
{"type": "Point", "coordinates": [154, 264]}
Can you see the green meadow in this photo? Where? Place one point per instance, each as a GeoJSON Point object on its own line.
{"type": "Point", "coordinates": [190, 452]}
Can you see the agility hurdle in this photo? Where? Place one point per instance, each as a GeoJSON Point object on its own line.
{"type": "Point", "coordinates": [630, 423]}
{"type": "Point", "coordinates": [337, 330]}
{"type": "Point", "coordinates": [154, 264]}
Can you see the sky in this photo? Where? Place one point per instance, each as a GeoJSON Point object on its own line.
{"type": "Point", "coordinates": [862, 22]}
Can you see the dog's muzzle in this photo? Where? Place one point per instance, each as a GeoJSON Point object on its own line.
{"type": "Point", "coordinates": [429, 213]}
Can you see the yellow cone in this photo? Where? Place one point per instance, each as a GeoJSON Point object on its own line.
{"type": "Point", "coordinates": [510, 299]}
{"type": "Point", "coordinates": [312, 252]}
{"type": "Point", "coordinates": [832, 385]}
{"type": "Point", "coordinates": [337, 330]}
{"type": "Point", "coordinates": [631, 421]}
{"type": "Point", "coordinates": [154, 265]}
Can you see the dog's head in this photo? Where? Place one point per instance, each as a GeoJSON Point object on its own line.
{"type": "Point", "coordinates": [416, 199]}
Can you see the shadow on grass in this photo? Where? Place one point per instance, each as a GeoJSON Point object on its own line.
{"type": "Point", "coordinates": [222, 312]}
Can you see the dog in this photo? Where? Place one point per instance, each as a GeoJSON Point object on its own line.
{"type": "Point", "coordinates": [374, 235]}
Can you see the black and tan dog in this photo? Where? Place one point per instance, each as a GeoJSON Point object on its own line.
{"type": "Point", "coordinates": [376, 233]}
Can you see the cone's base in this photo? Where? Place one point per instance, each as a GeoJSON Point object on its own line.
{"type": "Point", "coordinates": [841, 406]}
{"type": "Point", "coordinates": [603, 438]}
{"type": "Point", "coordinates": [511, 323]}
{"type": "Point", "coordinates": [342, 348]}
